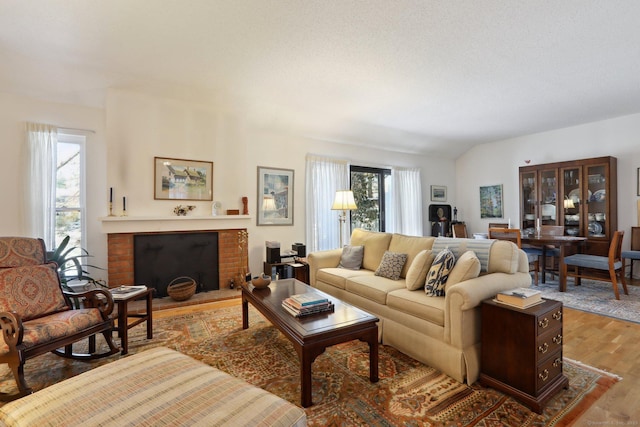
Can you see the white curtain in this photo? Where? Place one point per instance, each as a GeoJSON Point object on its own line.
{"type": "Point", "coordinates": [324, 177]}
{"type": "Point", "coordinates": [404, 203]}
{"type": "Point", "coordinates": [40, 179]}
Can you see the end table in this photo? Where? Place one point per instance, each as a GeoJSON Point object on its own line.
{"type": "Point", "coordinates": [123, 325]}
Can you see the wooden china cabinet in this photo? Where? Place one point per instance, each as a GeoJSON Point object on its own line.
{"type": "Point", "coordinates": [581, 195]}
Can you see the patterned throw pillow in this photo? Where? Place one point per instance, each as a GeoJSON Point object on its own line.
{"type": "Point", "coordinates": [439, 273]}
{"type": "Point", "coordinates": [351, 258]}
{"type": "Point", "coordinates": [391, 265]}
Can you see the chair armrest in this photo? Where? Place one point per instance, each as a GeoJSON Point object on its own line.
{"type": "Point", "coordinates": [95, 298]}
{"type": "Point", "coordinates": [322, 259]}
{"type": "Point", "coordinates": [12, 329]}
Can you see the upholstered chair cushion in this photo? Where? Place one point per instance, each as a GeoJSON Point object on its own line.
{"type": "Point", "coordinates": [466, 267]}
{"type": "Point", "coordinates": [21, 251]}
{"type": "Point", "coordinates": [391, 265]}
{"type": "Point", "coordinates": [417, 273]}
{"type": "Point", "coordinates": [439, 273]}
{"type": "Point", "coordinates": [351, 258]}
{"type": "Point", "coordinates": [31, 291]}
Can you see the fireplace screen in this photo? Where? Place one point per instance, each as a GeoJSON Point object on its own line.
{"type": "Point", "coordinates": [160, 258]}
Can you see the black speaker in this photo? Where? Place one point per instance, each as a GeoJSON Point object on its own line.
{"type": "Point", "coordinates": [273, 255]}
{"type": "Point", "coordinates": [300, 248]}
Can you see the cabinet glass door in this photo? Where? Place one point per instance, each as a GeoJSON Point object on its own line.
{"type": "Point", "coordinates": [572, 200]}
{"type": "Point", "coordinates": [528, 193]}
{"type": "Point", "coordinates": [596, 205]}
{"type": "Point", "coordinates": [548, 196]}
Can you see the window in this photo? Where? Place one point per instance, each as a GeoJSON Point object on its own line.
{"type": "Point", "coordinates": [69, 191]}
{"type": "Point", "coordinates": [370, 187]}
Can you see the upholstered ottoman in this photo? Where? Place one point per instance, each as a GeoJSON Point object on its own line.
{"type": "Point", "coordinates": [158, 387]}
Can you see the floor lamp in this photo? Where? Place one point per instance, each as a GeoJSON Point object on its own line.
{"type": "Point", "coordinates": [344, 202]}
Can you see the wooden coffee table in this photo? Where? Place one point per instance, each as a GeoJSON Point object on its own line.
{"type": "Point", "coordinates": [311, 335]}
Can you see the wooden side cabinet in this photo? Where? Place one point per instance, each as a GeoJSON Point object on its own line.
{"type": "Point", "coordinates": [522, 351]}
{"type": "Point", "coordinates": [285, 270]}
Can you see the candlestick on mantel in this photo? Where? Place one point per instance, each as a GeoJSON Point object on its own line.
{"type": "Point", "coordinates": [110, 194]}
{"type": "Point", "coordinates": [124, 206]}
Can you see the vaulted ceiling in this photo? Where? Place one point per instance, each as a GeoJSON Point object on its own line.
{"type": "Point", "coordinates": [422, 76]}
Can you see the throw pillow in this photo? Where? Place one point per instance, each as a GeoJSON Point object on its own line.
{"type": "Point", "coordinates": [466, 267]}
{"type": "Point", "coordinates": [439, 273]}
{"type": "Point", "coordinates": [391, 265]}
{"type": "Point", "coordinates": [417, 273]}
{"type": "Point", "coordinates": [351, 258]}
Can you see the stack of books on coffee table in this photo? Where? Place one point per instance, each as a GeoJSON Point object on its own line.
{"type": "Point", "coordinates": [301, 305]}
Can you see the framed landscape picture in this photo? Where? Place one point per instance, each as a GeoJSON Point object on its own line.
{"type": "Point", "coordinates": [180, 179]}
{"type": "Point", "coordinates": [275, 196]}
{"type": "Point", "coordinates": [491, 201]}
{"type": "Point", "coordinates": [438, 193]}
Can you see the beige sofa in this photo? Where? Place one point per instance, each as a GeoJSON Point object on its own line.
{"type": "Point", "coordinates": [442, 332]}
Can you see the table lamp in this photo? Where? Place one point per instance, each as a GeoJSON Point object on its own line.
{"type": "Point", "coordinates": [344, 202]}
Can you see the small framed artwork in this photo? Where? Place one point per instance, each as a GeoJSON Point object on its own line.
{"type": "Point", "coordinates": [491, 201]}
{"type": "Point", "coordinates": [275, 196]}
{"type": "Point", "coordinates": [638, 188]}
{"type": "Point", "coordinates": [180, 179]}
{"type": "Point", "coordinates": [438, 193]}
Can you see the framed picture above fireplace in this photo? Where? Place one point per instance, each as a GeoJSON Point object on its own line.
{"type": "Point", "coordinates": [275, 196]}
{"type": "Point", "coordinates": [180, 179]}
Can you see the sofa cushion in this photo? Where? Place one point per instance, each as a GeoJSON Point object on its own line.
{"type": "Point", "coordinates": [466, 267]}
{"type": "Point", "coordinates": [410, 245]}
{"type": "Point", "coordinates": [391, 265]}
{"type": "Point", "coordinates": [504, 257]}
{"type": "Point", "coordinates": [417, 273]}
{"type": "Point", "coordinates": [337, 277]}
{"type": "Point", "coordinates": [439, 273]}
{"type": "Point", "coordinates": [418, 304]}
{"type": "Point", "coordinates": [375, 244]}
{"type": "Point", "coordinates": [373, 287]}
{"type": "Point", "coordinates": [351, 257]}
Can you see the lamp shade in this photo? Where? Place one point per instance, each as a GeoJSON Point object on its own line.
{"type": "Point", "coordinates": [344, 201]}
{"type": "Point", "coordinates": [268, 204]}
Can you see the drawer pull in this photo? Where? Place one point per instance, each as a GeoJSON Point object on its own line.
{"type": "Point", "coordinates": [557, 362]}
{"type": "Point", "coordinates": [544, 375]}
{"type": "Point", "coordinates": [543, 348]}
{"type": "Point", "coordinates": [543, 323]}
{"type": "Point", "coordinates": [557, 315]}
{"type": "Point", "coordinates": [557, 339]}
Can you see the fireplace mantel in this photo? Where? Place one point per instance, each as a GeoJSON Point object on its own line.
{"type": "Point", "coordinates": [141, 224]}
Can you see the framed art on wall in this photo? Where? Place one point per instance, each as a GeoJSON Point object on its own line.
{"type": "Point", "coordinates": [438, 193]}
{"type": "Point", "coordinates": [491, 201]}
{"type": "Point", "coordinates": [180, 179]}
{"type": "Point", "coordinates": [638, 191]}
{"type": "Point", "coordinates": [275, 196]}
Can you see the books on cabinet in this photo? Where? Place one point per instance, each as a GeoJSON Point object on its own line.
{"type": "Point", "coordinates": [520, 297]}
{"type": "Point", "coordinates": [301, 305]}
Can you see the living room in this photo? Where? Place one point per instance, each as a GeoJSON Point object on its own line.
{"type": "Point", "coordinates": [129, 122]}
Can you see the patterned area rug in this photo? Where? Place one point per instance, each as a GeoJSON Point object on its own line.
{"type": "Point", "coordinates": [408, 393]}
{"type": "Point", "coordinates": [596, 297]}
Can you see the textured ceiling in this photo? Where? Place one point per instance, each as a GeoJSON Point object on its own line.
{"type": "Point", "coordinates": [422, 76]}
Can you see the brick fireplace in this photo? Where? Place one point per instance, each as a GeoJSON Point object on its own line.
{"type": "Point", "coordinates": [121, 256]}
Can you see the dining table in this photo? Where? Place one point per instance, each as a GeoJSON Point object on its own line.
{"type": "Point", "coordinates": [564, 243]}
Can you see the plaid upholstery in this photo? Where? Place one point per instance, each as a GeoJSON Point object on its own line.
{"type": "Point", "coordinates": [158, 387]}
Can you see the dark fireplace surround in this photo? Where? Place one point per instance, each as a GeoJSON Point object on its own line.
{"type": "Point", "coordinates": [121, 256]}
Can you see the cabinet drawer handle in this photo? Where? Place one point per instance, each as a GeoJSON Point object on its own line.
{"type": "Point", "coordinates": [543, 348]}
{"type": "Point", "coordinates": [544, 375]}
{"type": "Point", "coordinates": [557, 362]}
{"type": "Point", "coordinates": [557, 339]}
{"type": "Point", "coordinates": [543, 323]}
{"type": "Point", "coordinates": [557, 315]}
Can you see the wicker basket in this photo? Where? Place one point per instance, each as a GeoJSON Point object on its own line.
{"type": "Point", "coordinates": [181, 288]}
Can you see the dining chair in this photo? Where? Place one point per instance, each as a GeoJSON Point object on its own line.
{"type": "Point", "coordinates": [552, 253]}
{"type": "Point", "coordinates": [459, 230]}
{"type": "Point", "coordinates": [515, 235]}
{"type": "Point", "coordinates": [604, 268]}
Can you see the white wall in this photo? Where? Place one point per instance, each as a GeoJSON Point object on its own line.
{"type": "Point", "coordinates": [498, 163]}
{"type": "Point", "coordinates": [140, 127]}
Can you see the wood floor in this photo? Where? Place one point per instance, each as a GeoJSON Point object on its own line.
{"type": "Point", "coordinates": [605, 343]}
